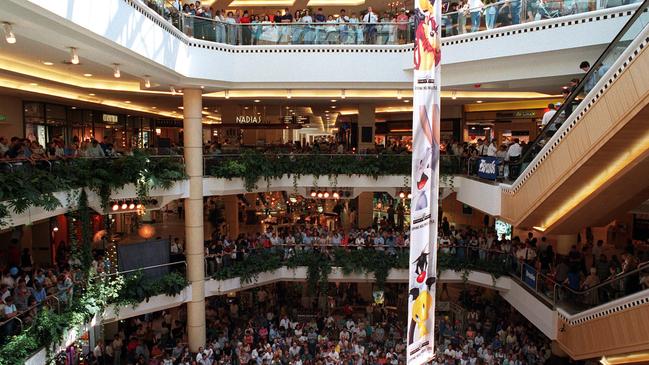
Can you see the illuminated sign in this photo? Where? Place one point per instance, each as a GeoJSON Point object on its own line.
{"type": "Point", "coordinates": [249, 119]}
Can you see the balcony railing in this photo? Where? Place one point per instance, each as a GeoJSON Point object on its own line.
{"type": "Point", "coordinates": [225, 29]}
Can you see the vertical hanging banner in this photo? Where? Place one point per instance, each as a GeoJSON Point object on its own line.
{"type": "Point", "coordinates": [425, 182]}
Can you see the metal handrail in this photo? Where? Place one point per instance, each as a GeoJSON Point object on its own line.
{"type": "Point", "coordinates": [146, 268]}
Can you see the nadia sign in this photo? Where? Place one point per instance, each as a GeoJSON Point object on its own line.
{"type": "Point", "coordinates": [425, 181]}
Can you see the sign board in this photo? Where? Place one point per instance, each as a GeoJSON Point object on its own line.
{"type": "Point", "coordinates": [110, 118]}
{"type": "Point", "coordinates": [249, 119]}
{"type": "Point", "coordinates": [489, 167]}
{"type": "Point", "coordinates": [529, 276]}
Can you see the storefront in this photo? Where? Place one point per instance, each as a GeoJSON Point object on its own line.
{"type": "Point", "coordinates": [503, 126]}
{"type": "Point", "coordinates": [44, 121]}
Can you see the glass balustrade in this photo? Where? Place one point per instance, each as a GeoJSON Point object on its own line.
{"type": "Point", "coordinates": [456, 20]}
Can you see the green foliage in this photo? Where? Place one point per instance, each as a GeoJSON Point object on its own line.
{"type": "Point", "coordinates": [34, 187]}
{"type": "Point", "coordinates": [138, 287]}
{"type": "Point", "coordinates": [252, 166]}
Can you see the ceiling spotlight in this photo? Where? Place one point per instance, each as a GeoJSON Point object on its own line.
{"type": "Point", "coordinates": [333, 100]}
{"type": "Point", "coordinates": [131, 206]}
{"type": "Point", "coordinates": [227, 94]}
{"type": "Point", "coordinates": [115, 207]}
{"type": "Point", "coordinates": [333, 107]}
{"type": "Point", "coordinates": [91, 94]}
{"type": "Point", "coordinates": [454, 95]}
{"type": "Point", "coordinates": [325, 194]}
{"type": "Point", "coordinates": [172, 90]}
{"type": "Point", "coordinates": [33, 84]}
{"type": "Point", "coordinates": [406, 101]}
{"type": "Point", "coordinates": [399, 94]}
{"type": "Point", "coordinates": [313, 193]}
{"type": "Point", "coordinates": [409, 196]}
{"type": "Point", "coordinates": [479, 101]}
{"type": "Point", "coordinates": [127, 101]}
{"type": "Point", "coordinates": [256, 100]}
{"type": "Point", "coordinates": [139, 206]}
{"type": "Point", "coordinates": [147, 82]}
{"type": "Point", "coordinates": [48, 63]}
{"type": "Point", "coordinates": [10, 37]}
{"type": "Point", "coordinates": [288, 94]}
{"type": "Point", "coordinates": [87, 75]}
{"type": "Point", "coordinates": [116, 71]}
{"type": "Point", "coordinates": [74, 56]}
{"type": "Point", "coordinates": [342, 94]}
{"type": "Point", "coordinates": [320, 194]}
{"type": "Point", "coordinates": [124, 205]}
{"type": "Point", "coordinates": [336, 195]}
{"type": "Point", "coordinates": [402, 195]}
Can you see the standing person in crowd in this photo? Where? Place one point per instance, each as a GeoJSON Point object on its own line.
{"type": "Point", "coordinates": [514, 152]}
{"type": "Point", "coordinates": [370, 19]}
{"type": "Point", "coordinates": [475, 8]}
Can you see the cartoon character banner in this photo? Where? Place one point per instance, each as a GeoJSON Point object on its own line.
{"type": "Point", "coordinates": [425, 181]}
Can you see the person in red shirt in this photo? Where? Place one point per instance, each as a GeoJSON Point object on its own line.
{"type": "Point", "coordinates": [246, 30]}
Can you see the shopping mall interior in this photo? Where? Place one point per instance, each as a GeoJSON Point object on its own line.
{"type": "Point", "coordinates": [256, 158]}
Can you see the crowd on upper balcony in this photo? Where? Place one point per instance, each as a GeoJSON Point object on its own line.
{"type": "Point", "coordinates": [17, 148]}
{"type": "Point", "coordinates": [391, 26]}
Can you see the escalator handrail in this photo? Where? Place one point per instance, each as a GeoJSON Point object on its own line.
{"type": "Point", "coordinates": [580, 86]}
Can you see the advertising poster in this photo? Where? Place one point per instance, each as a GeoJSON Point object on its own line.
{"type": "Point", "coordinates": [425, 180]}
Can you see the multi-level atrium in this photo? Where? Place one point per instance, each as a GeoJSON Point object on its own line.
{"type": "Point", "coordinates": [229, 182]}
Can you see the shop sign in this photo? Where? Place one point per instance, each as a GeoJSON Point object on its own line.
{"type": "Point", "coordinates": [249, 119]}
{"type": "Point", "coordinates": [488, 167]}
{"type": "Point", "coordinates": [516, 114]}
{"type": "Point", "coordinates": [110, 118]}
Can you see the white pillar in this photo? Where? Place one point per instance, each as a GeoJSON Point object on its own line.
{"type": "Point", "coordinates": [194, 230]}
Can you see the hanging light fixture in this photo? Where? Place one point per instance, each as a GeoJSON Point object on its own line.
{"type": "Point", "coordinates": [227, 94]}
{"type": "Point", "coordinates": [147, 82]}
{"type": "Point", "coordinates": [116, 71]}
{"type": "Point", "coordinates": [74, 56]}
{"type": "Point", "coordinates": [342, 94]}
{"type": "Point", "coordinates": [173, 90]}
{"type": "Point", "coordinates": [454, 95]}
{"type": "Point", "coordinates": [288, 94]}
{"type": "Point", "coordinates": [10, 37]}
{"type": "Point", "coordinates": [399, 95]}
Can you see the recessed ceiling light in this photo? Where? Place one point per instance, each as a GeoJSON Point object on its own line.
{"type": "Point", "coordinates": [116, 72]}
{"type": "Point", "coordinates": [406, 101]}
{"type": "Point", "coordinates": [333, 100]}
{"type": "Point", "coordinates": [48, 63]}
{"type": "Point", "coordinates": [127, 101]}
{"type": "Point", "coordinates": [245, 108]}
{"type": "Point", "coordinates": [257, 100]}
{"type": "Point", "coordinates": [33, 84]}
{"type": "Point", "coordinates": [479, 101]}
{"type": "Point", "coordinates": [333, 107]}
{"type": "Point", "coordinates": [87, 75]}
{"type": "Point", "coordinates": [74, 56]}
{"type": "Point", "coordinates": [181, 108]}
{"type": "Point", "coordinates": [154, 107]}
{"type": "Point", "coordinates": [74, 107]}
{"type": "Point", "coordinates": [91, 94]}
{"type": "Point", "coordinates": [204, 108]}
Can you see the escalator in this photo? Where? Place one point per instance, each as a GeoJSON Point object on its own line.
{"type": "Point", "coordinates": [590, 163]}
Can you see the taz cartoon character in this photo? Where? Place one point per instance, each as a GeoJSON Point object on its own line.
{"type": "Point", "coordinates": [421, 306]}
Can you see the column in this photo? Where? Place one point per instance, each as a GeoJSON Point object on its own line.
{"type": "Point", "coordinates": [194, 230]}
{"type": "Point", "coordinates": [365, 124]}
{"type": "Point", "coordinates": [365, 208]}
{"type": "Point", "coordinates": [231, 203]}
{"type": "Point", "coordinates": [564, 243]}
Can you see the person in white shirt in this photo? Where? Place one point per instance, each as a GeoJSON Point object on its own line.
{"type": "Point", "coordinates": [492, 149]}
{"type": "Point", "coordinates": [370, 18]}
{"type": "Point", "coordinates": [547, 116]}
{"type": "Point", "coordinates": [513, 155]}
{"type": "Point", "coordinates": [95, 150]}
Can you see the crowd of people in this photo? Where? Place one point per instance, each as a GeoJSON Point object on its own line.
{"type": "Point", "coordinates": [27, 287]}
{"type": "Point", "coordinates": [17, 148]}
{"type": "Point", "coordinates": [268, 325]}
